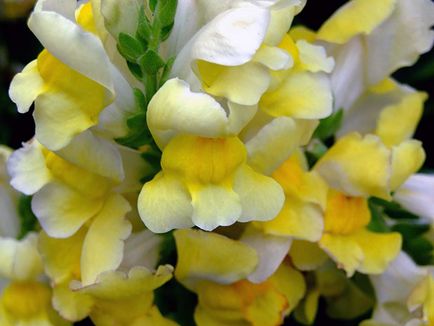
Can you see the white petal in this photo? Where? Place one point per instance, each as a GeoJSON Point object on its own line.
{"type": "Point", "coordinates": [271, 251]}
{"type": "Point", "coordinates": [389, 46]}
{"type": "Point", "coordinates": [61, 210]}
{"type": "Point", "coordinates": [231, 39]}
{"type": "Point", "coordinates": [76, 48]}
{"type": "Point", "coordinates": [94, 154]}
{"type": "Point", "coordinates": [417, 194]}
{"type": "Point", "coordinates": [27, 168]}
{"type": "Point", "coordinates": [175, 109]}
{"type": "Point", "coordinates": [26, 86]}
{"type": "Point", "coordinates": [273, 144]}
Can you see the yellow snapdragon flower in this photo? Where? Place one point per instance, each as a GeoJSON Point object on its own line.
{"type": "Point", "coordinates": [71, 92]}
{"type": "Point", "coordinates": [225, 296]}
{"type": "Point", "coordinates": [205, 179]}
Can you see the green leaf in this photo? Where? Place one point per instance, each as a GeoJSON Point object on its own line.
{"type": "Point", "coordinates": [152, 5]}
{"type": "Point", "coordinates": [151, 62]}
{"type": "Point", "coordinates": [28, 221]}
{"type": "Point", "coordinates": [378, 222]}
{"type": "Point", "coordinates": [411, 230]}
{"type": "Point", "coordinates": [393, 209]}
{"type": "Point", "coordinates": [144, 29]}
{"type": "Point", "coordinates": [166, 12]}
{"type": "Point", "coordinates": [329, 126]}
{"type": "Point", "coordinates": [140, 100]}
{"type": "Point", "coordinates": [135, 70]}
{"type": "Point", "coordinates": [315, 151]}
{"type": "Point", "coordinates": [130, 48]}
{"type": "Point", "coordinates": [414, 242]}
{"type": "Point", "coordinates": [166, 71]}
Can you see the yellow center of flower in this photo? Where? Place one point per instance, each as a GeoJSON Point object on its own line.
{"type": "Point", "coordinates": [26, 299]}
{"type": "Point", "coordinates": [81, 180]}
{"type": "Point", "coordinates": [203, 160]}
{"type": "Point", "coordinates": [344, 215]}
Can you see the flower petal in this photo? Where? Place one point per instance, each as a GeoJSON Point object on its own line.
{"type": "Point", "coordinates": [103, 245]}
{"type": "Point", "coordinates": [261, 197]}
{"type": "Point", "coordinates": [407, 158]}
{"type": "Point", "coordinates": [176, 109]}
{"type": "Point", "coordinates": [20, 260]}
{"type": "Point", "coordinates": [355, 17]}
{"type": "Point", "coordinates": [271, 251]}
{"type": "Point", "coordinates": [27, 168]}
{"type": "Point", "coordinates": [165, 204]}
{"type": "Point", "coordinates": [301, 95]}
{"type": "Point", "coordinates": [26, 87]}
{"type": "Point", "coordinates": [379, 250]}
{"type": "Point", "coordinates": [198, 259]}
{"type": "Point", "coordinates": [416, 195]}
{"type": "Point", "coordinates": [341, 171]}
{"type": "Point", "coordinates": [62, 210]}
{"type": "Point", "coordinates": [214, 206]}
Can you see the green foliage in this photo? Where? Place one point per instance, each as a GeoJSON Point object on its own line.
{"type": "Point", "coordinates": [28, 221]}
{"type": "Point", "coordinates": [329, 126]}
{"type": "Point", "coordinates": [141, 52]}
{"type": "Point", "coordinates": [413, 232]}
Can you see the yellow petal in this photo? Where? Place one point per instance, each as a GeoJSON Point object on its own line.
{"type": "Point", "coordinates": [71, 305]}
{"type": "Point", "coordinates": [116, 285]}
{"type": "Point", "coordinates": [297, 219]}
{"type": "Point", "coordinates": [306, 256]}
{"type": "Point", "coordinates": [290, 282]}
{"type": "Point", "coordinates": [314, 58]}
{"type": "Point", "coordinates": [299, 183]}
{"type": "Point", "coordinates": [198, 259]}
{"type": "Point", "coordinates": [103, 245]}
{"type": "Point", "coordinates": [345, 215]}
{"type": "Point", "coordinates": [305, 312]}
{"type": "Point", "coordinates": [165, 204]}
{"type": "Point", "coordinates": [203, 160]}
{"type": "Point", "coordinates": [300, 32]}
{"type": "Point", "coordinates": [19, 259]}
{"type": "Point", "coordinates": [26, 300]}
{"type": "Point", "coordinates": [379, 249]}
{"type": "Point", "coordinates": [398, 122]}
{"type": "Point", "coordinates": [261, 197]}
{"type": "Point", "coordinates": [69, 104]}
{"type": "Point", "coordinates": [302, 95]}
{"type": "Point", "coordinates": [407, 158]}
{"type": "Point", "coordinates": [344, 250]}
{"type": "Point", "coordinates": [62, 210]}
{"type": "Point", "coordinates": [27, 168]}
{"type": "Point", "coordinates": [368, 175]}
{"type": "Point", "coordinates": [26, 87]}
{"type": "Point", "coordinates": [214, 205]}
{"type": "Point", "coordinates": [62, 256]}
{"type": "Point", "coordinates": [275, 142]}
{"type": "Point", "coordinates": [235, 83]}
{"type": "Point", "coordinates": [176, 109]}
{"type": "Point", "coordinates": [355, 17]}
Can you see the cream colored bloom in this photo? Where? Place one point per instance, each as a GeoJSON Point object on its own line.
{"type": "Point", "coordinates": [72, 81]}
{"type": "Point", "coordinates": [404, 295]}
{"type": "Point", "coordinates": [205, 179]}
{"type": "Point", "coordinates": [225, 296]}
{"type": "Point", "coordinates": [81, 186]}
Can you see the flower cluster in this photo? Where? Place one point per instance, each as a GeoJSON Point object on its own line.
{"type": "Point", "coordinates": [208, 162]}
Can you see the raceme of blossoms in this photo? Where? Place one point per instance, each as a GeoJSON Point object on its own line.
{"type": "Point", "coordinates": [209, 163]}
